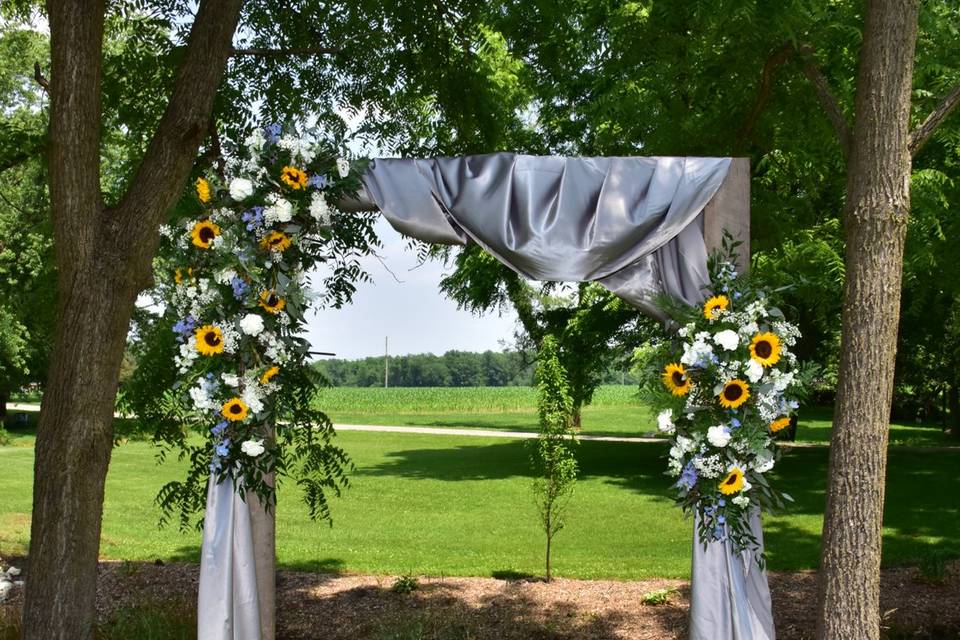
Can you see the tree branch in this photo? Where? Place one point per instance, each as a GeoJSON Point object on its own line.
{"type": "Point", "coordinates": [829, 103]}
{"type": "Point", "coordinates": [172, 151]}
{"type": "Point", "coordinates": [774, 62]}
{"type": "Point", "coordinates": [292, 51]}
{"type": "Point", "coordinates": [39, 77]}
{"type": "Point", "coordinates": [920, 135]}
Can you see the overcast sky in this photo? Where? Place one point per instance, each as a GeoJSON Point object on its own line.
{"type": "Point", "coordinates": [413, 312]}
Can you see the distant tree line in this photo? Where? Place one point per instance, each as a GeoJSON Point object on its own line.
{"type": "Point", "coordinates": [452, 369]}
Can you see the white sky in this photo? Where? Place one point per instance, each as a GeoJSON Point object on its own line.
{"type": "Point", "coordinates": [413, 313]}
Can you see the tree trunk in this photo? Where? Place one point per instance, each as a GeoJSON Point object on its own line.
{"type": "Point", "coordinates": [74, 442]}
{"type": "Point", "coordinates": [4, 399]}
{"type": "Point", "coordinates": [953, 402]}
{"type": "Point", "coordinates": [103, 259]}
{"type": "Point", "coordinates": [876, 210]}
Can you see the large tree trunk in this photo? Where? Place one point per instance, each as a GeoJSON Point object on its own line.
{"type": "Point", "coordinates": [877, 206]}
{"type": "Point", "coordinates": [103, 259]}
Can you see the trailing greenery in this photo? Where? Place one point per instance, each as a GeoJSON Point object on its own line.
{"type": "Point", "coordinates": [553, 457]}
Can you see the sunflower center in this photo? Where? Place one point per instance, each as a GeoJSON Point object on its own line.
{"type": "Point", "coordinates": [211, 339]}
{"type": "Point", "coordinates": [273, 300]}
{"type": "Point", "coordinates": [206, 234]}
{"type": "Point", "coordinates": [235, 409]}
{"type": "Point", "coordinates": [678, 379]}
{"type": "Point", "coordinates": [732, 479]}
{"type": "Point", "coordinates": [715, 308]}
{"type": "Point", "coordinates": [732, 392]}
{"type": "Point", "coordinates": [763, 349]}
{"type": "Point", "coordinates": [274, 241]}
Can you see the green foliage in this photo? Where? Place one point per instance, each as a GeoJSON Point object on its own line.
{"type": "Point", "coordinates": [553, 458]}
{"type": "Point", "coordinates": [658, 597]}
{"type": "Point", "coordinates": [405, 584]}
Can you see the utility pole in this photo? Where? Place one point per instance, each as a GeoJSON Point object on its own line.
{"type": "Point", "coordinates": [386, 362]}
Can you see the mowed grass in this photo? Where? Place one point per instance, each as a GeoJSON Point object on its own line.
{"type": "Point", "coordinates": [616, 410]}
{"type": "Point", "coordinates": [449, 505]}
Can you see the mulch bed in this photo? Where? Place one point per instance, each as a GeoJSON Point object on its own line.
{"type": "Point", "coordinates": [335, 607]}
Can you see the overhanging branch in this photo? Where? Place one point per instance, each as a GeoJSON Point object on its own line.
{"type": "Point", "coordinates": [279, 53]}
{"type": "Point", "coordinates": [921, 134]}
{"type": "Point", "coordinates": [829, 103]}
{"type": "Point", "coordinates": [774, 62]}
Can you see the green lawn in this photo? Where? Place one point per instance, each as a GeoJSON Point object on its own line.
{"type": "Point", "coordinates": [616, 410]}
{"type": "Point", "coordinates": [448, 505]}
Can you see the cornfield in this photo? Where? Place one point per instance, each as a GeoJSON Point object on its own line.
{"type": "Point", "coordinates": [378, 400]}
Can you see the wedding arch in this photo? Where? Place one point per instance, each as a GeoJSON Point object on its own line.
{"type": "Point", "coordinates": [639, 226]}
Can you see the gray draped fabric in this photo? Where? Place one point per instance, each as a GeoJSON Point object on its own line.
{"type": "Point", "coordinates": [631, 224]}
{"type": "Point", "coordinates": [729, 595]}
{"type": "Point", "coordinates": [227, 605]}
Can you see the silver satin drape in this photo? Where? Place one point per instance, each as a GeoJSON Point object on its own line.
{"type": "Point", "coordinates": [227, 605]}
{"type": "Point", "coordinates": [632, 224]}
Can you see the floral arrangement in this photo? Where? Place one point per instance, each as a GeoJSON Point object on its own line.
{"type": "Point", "coordinates": [233, 273]}
{"type": "Point", "coordinates": [726, 387]}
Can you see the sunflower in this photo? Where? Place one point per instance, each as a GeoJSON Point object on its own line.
{"type": "Point", "coordinates": [734, 394]}
{"type": "Point", "coordinates": [181, 274]}
{"type": "Point", "coordinates": [765, 349]}
{"type": "Point", "coordinates": [209, 340]}
{"type": "Point", "coordinates": [203, 234]}
{"type": "Point", "coordinates": [234, 410]}
{"type": "Point", "coordinates": [267, 375]}
{"type": "Point", "coordinates": [275, 241]}
{"type": "Point", "coordinates": [203, 190]}
{"type": "Point", "coordinates": [713, 305]}
{"type": "Point", "coordinates": [293, 178]}
{"type": "Point", "coordinates": [271, 302]}
{"type": "Point", "coordinates": [675, 378]}
{"type": "Point", "coordinates": [780, 424]}
{"type": "Point", "coordinates": [733, 483]}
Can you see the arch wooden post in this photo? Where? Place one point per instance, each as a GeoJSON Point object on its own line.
{"type": "Point", "coordinates": [729, 210]}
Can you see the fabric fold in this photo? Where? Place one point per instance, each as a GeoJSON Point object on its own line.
{"type": "Point", "coordinates": [562, 219]}
{"type": "Point", "coordinates": [227, 603]}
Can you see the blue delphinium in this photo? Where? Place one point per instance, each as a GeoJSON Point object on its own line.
{"type": "Point", "coordinates": [185, 328]}
{"type": "Point", "coordinates": [688, 478]}
{"type": "Point", "coordinates": [253, 217]}
{"type": "Point", "coordinates": [240, 287]}
{"type": "Point", "coordinates": [318, 181]}
{"type": "Point", "coordinates": [272, 133]}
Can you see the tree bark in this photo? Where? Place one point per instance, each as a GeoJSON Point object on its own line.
{"type": "Point", "coordinates": [104, 258]}
{"type": "Point", "coordinates": [875, 218]}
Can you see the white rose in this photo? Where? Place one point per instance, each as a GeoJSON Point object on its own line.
{"type": "Point", "coordinates": [252, 448]}
{"type": "Point", "coordinates": [727, 339]}
{"type": "Point", "coordinates": [343, 167]}
{"type": "Point", "coordinates": [252, 324]}
{"type": "Point", "coordinates": [665, 422]}
{"type": "Point", "coordinates": [754, 371]}
{"type": "Point", "coordinates": [718, 436]}
{"type": "Point", "coordinates": [230, 379]}
{"type": "Point", "coordinates": [241, 189]}
{"type": "Point", "coordinates": [763, 463]}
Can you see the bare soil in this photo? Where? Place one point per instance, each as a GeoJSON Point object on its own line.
{"type": "Point", "coordinates": [342, 606]}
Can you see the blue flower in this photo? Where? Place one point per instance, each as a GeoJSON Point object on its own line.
{"type": "Point", "coordinates": [721, 520]}
{"type": "Point", "coordinates": [223, 449]}
{"type": "Point", "coordinates": [253, 217]}
{"type": "Point", "coordinates": [735, 423]}
{"type": "Point", "coordinates": [218, 428]}
{"type": "Point", "coordinates": [318, 181]}
{"type": "Point", "coordinates": [688, 478]}
{"type": "Point", "coordinates": [215, 465]}
{"type": "Point", "coordinates": [721, 502]}
{"type": "Point", "coordinates": [718, 534]}
{"type": "Point", "coordinates": [185, 327]}
{"type": "Point", "coordinates": [272, 132]}
{"type": "Point", "coordinates": [240, 288]}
